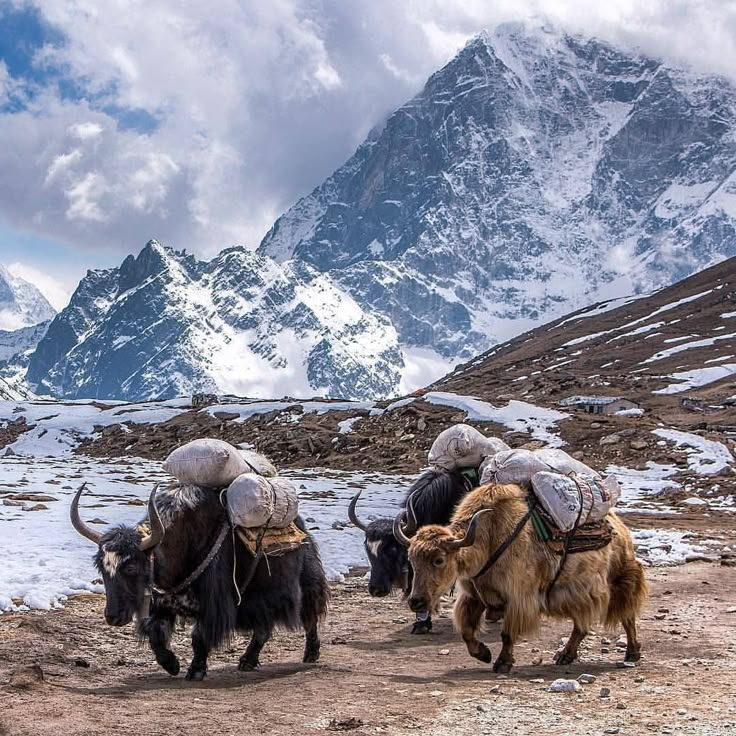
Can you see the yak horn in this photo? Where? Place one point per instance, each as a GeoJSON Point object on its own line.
{"type": "Point", "coordinates": [86, 531]}
{"type": "Point", "coordinates": [399, 532]}
{"type": "Point", "coordinates": [411, 515]}
{"type": "Point", "coordinates": [469, 538]}
{"type": "Point", "coordinates": [157, 527]}
{"type": "Point", "coordinates": [353, 516]}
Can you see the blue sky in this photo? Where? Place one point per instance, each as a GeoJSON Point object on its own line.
{"type": "Point", "coordinates": [198, 124]}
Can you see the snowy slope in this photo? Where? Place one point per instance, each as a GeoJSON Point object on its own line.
{"type": "Point", "coordinates": [21, 303]}
{"type": "Point", "coordinates": [534, 174]}
{"type": "Point", "coordinates": [16, 348]}
{"type": "Point", "coordinates": [165, 324]}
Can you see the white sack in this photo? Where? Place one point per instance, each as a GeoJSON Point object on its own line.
{"type": "Point", "coordinates": [511, 466]}
{"type": "Point", "coordinates": [463, 446]}
{"type": "Point", "coordinates": [255, 501]}
{"type": "Point", "coordinates": [518, 466]}
{"type": "Point", "coordinates": [259, 464]}
{"type": "Point", "coordinates": [563, 463]}
{"type": "Point", "coordinates": [562, 496]}
{"type": "Point", "coordinates": [206, 462]}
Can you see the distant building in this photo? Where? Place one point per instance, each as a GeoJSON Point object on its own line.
{"type": "Point", "coordinates": [199, 400]}
{"type": "Point", "coordinates": [599, 404]}
{"type": "Point", "coordinates": [693, 404]}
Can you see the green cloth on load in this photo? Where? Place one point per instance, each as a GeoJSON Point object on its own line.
{"type": "Point", "coordinates": [472, 476]}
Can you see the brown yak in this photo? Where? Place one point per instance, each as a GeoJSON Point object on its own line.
{"type": "Point", "coordinates": [602, 585]}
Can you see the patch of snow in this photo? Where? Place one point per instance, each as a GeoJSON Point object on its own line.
{"type": "Point", "coordinates": [629, 412]}
{"type": "Point", "coordinates": [695, 378]}
{"type": "Point", "coordinates": [661, 547]}
{"type": "Point", "coordinates": [346, 425]}
{"type": "Point", "coordinates": [516, 415]}
{"type": "Point", "coordinates": [705, 457]}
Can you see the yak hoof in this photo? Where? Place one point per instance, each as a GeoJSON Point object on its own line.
{"type": "Point", "coordinates": [422, 627]}
{"type": "Point", "coordinates": [483, 653]}
{"type": "Point", "coordinates": [195, 675]}
{"type": "Point", "coordinates": [246, 665]}
{"type": "Point", "coordinates": [311, 655]}
{"type": "Point", "coordinates": [564, 657]}
{"type": "Point", "coordinates": [633, 653]}
{"type": "Point", "coordinates": [502, 667]}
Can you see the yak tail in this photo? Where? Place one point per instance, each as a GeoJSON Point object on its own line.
{"type": "Point", "coordinates": [628, 593]}
{"type": "Point", "coordinates": [315, 588]}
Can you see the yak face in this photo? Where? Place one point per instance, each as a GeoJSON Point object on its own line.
{"type": "Point", "coordinates": [124, 570]}
{"type": "Point", "coordinates": [434, 561]}
{"type": "Point", "coordinates": [388, 558]}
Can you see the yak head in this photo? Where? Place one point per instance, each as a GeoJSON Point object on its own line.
{"type": "Point", "coordinates": [123, 560]}
{"type": "Point", "coordinates": [387, 557]}
{"type": "Point", "coordinates": [433, 554]}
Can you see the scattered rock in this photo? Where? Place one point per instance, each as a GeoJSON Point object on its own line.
{"type": "Point", "coordinates": [681, 712]}
{"type": "Point", "coordinates": [496, 690]}
{"type": "Point", "coordinates": [638, 444]}
{"type": "Point", "coordinates": [609, 439]}
{"type": "Point", "coordinates": [26, 678]}
{"type": "Point", "coordinates": [605, 692]}
{"type": "Point", "coordinates": [34, 497]}
{"type": "Point", "coordinates": [612, 729]}
{"type": "Point", "coordinates": [80, 662]}
{"type": "Point", "coordinates": [639, 679]}
{"type": "Point", "coordinates": [587, 679]}
{"type": "Point", "coordinates": [564, 686]}
{"type": "Point", "coordinates": [338, 640]}
{"type": "Point", "coordinates": [537, 680]}
{"type": "Point", "coordinates": [625, 665]}
{"type": "Point", "coordinates": [11, 502]}
{"type": "Point", "coordinates": [537, 661]}
{"type": "Point", "coordinates": [344, 724]}
{"type": "Point", "coordinates": [621, 706]}
{"type": "Point", "coordinates": [443, 652]}
{"type": "Point", "coordinates": [37, 507]}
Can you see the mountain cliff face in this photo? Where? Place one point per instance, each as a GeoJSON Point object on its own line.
{"type": "Point", "coordinates": [21, 303]}
{"type": "Point", "coordinates": [534, 174]}
{"type": "Point", "coordinates": [164, 324]}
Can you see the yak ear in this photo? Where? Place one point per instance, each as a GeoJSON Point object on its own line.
{"type": "Point", "coordinates": [469, 538]}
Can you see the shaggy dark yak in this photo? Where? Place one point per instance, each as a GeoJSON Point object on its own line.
{"type": "Point", "coordinates": [434, 496]}
{"type": "Point", "coordinates": [186, 567]}
{"type": "Point", "coordinates": [607, 584]}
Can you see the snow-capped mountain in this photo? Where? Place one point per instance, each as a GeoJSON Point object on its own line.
{"type": "Point", "coordinates": [164, 324]}
{"type": "Point", "coordinates": [16, 348]}
{"type": "Point", "coordinates": [21, 303]}
{"type": "Point", "coordinates": [534, 174]}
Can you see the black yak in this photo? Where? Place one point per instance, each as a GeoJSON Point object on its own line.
{"type": "Point", "coordinates": [191, 565]}
{"type": "Point", "coordinates": [434, 496]}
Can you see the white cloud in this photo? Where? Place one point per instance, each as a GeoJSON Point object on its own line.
{"type": "Point", "coordinates": [255, 103]}
{"type": "Point", "coordinates": [55, 291]}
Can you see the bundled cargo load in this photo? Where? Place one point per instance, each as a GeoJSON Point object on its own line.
{"type": "Point", "coordinates": [255, 501]}
{"type": "Point", "coordinates": [463, 446]}
{"type": "Point", "coordinates": [259, 464]}
{"type": "Point", "coordinates": [574, 500]}
{"type": "Point", "coordinates": [519, 466]}
{"type": "Point", "coordinates": [211, 463]}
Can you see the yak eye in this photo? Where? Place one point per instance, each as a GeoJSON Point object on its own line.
{"type": "Point", "coordinates": [439, 561]}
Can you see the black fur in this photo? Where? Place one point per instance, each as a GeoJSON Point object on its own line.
{"type": "Point", "coordinates": [435, 495]}
{"type": "Point", "coordinates": [290, 590]}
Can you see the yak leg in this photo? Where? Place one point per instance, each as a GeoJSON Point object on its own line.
{"type": "Point", "coordinates": [569, 653]}
{"type": "Point", "coordinates": [633, 646]}
{"type": "Point", "coordinates": [505, 660]}
{"type": "Point", "coordinates": [249, 660]}
{"type": "Point", "coordinates": [198, 667]}
{"type": "Point", "coordinates": [468, 612]}
{"type": "Point", "coordinates": [158, 629]}
{"type": "Point", "coordinates": [312, 644]}
{"type": "Point", "coordinates": [423, 623]}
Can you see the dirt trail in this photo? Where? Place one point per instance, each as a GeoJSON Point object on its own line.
{"type": "Point", "coordinates": [374, 677]}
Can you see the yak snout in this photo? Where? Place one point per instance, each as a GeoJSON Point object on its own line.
{"type": "Point", "coordinates": [378, 591]}
{"type": "Point", "coordinates": [114, 619]}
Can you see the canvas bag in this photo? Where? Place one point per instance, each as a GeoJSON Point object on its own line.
{"type": "Point", "coordinates": [259, 463]}
{"type": "Point", "coordinates": [255, 501]}
{"type": "Point", "coordinates": [518, 466]}
{"type": "Point", "coordinates": [463, 446]}
{"type": "Point", "coordinates": [571, 499]}
{"type": "Point", "coordinates": [206, 462]}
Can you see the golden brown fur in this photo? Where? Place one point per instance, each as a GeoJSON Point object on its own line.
{"type": "Point", "coordinates": [603, 585]}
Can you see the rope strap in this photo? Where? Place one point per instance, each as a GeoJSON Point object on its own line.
{"type": "Point", "coordinates": [494, 558]}
{"type": "Point", "coordinates": [200, 568]}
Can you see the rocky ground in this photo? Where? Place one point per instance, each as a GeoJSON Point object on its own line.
{"type": "Point", "coordinates": [66, 672]}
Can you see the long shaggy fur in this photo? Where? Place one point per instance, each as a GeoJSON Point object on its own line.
{"type": "Point", "coordinates": [602, 585]}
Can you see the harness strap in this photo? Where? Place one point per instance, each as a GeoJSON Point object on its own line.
{"type": "Point", "coordinates": [494, 558]}
{"type": "Point", "coordinates": [568, 539]}
{"type": "Point", "coordinates": [199, 569]}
